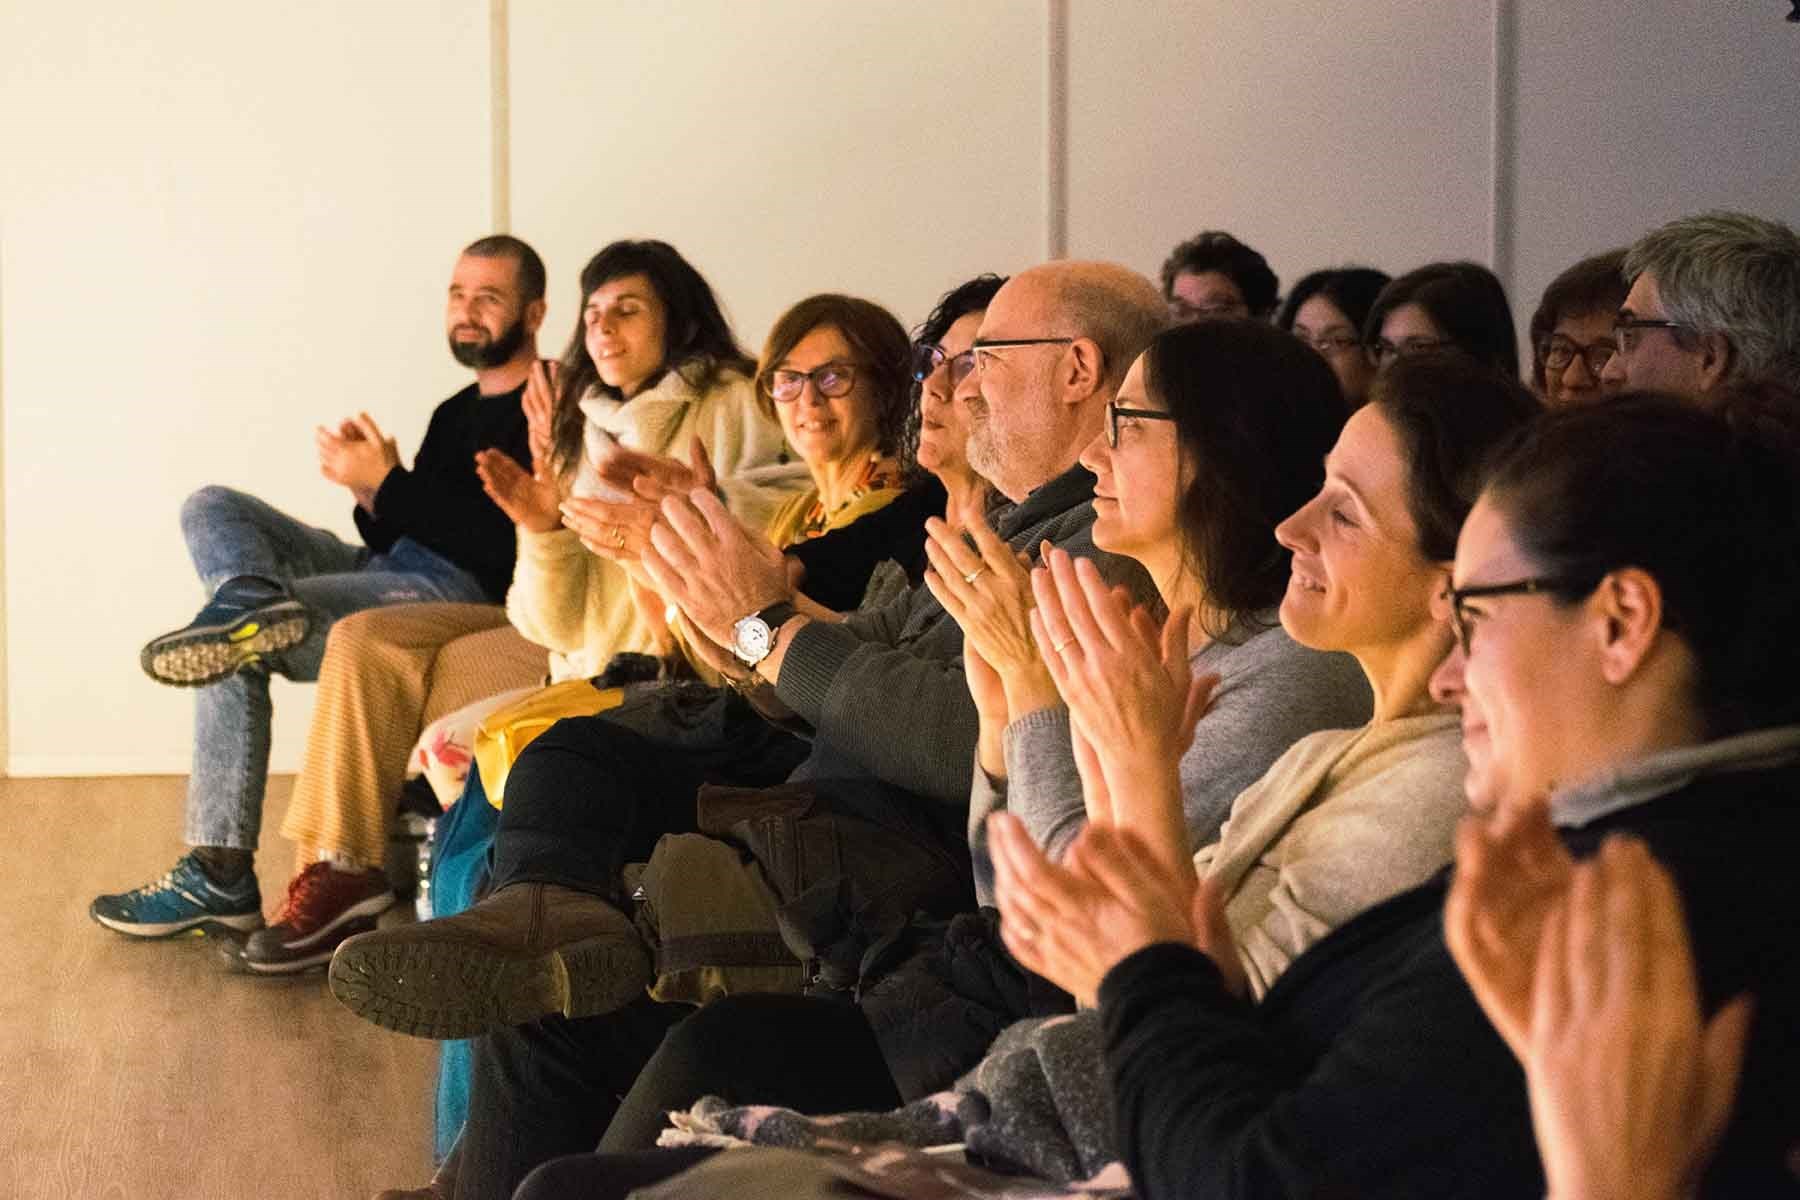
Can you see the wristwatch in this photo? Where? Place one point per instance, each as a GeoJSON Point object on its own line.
{"type": "Point", "coordinates": [753, 637]}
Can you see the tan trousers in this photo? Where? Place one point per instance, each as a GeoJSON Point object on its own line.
{"type": "Point", "coordinates": [388, 672]}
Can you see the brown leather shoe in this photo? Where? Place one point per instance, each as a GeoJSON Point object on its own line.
{"type": "Point", "coordinates": [525, 952]}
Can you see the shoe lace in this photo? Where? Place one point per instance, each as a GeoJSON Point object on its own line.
{"type": "Point", "coordinates": [301, 890]}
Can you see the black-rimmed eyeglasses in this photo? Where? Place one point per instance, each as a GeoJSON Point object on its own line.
{"type": "Point", "coordinates": [1115, 413]}
{"type": "Point", "coordinates": [1628, 329]}
{"type": "Point", "coordinates": [1556, 352]}
{"type": "Point", "coordinates": [927, 357]}
{"type": "Point", "coordinates": [1385, 351]}
{"type": "Point", "coordinates": [1540, 585]}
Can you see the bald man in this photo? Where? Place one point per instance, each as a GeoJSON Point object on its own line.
{"type": "Point", "coordinates": [894, 732]}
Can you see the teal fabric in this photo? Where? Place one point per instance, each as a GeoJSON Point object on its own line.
{"type": "Point", "coordinates": [459, 866]}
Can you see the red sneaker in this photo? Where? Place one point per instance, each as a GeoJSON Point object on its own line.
{"type": "Point", "coordinates": [323, 907]}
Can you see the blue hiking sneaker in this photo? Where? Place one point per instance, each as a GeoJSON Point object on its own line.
{"type": "Point", "coordinates": [186, 898]}
{"type": "Point", "coordinates": [247, 618]}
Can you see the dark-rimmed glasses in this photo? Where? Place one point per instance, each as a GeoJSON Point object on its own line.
{"type": "Point", "coordinates": [1384, 351]}
{"type": "Point", "coordinates": [1459, 620]}
{"type": "Point", "coordinates": [928, 356]}
{"type": "Point", "coordinates": [1183, 313]}
{"type": "Point", "coordinates": [1115, 413]}
{"type": "Point", "coordinates": [1328, 344]}
{"type": "Point", "coordinates": [831, 380]}
{"type": "Point", "coordinates": [1627, 329]}
{"type": "Point", "coordinates": [1556, 352]}
{"type": "Point", "coordinates": [983, 347]}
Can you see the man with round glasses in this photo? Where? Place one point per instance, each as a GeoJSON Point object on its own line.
{"type": "Point", "coordinates": [1714, 301]}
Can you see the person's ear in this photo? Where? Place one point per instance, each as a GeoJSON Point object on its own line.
{"type": "Point", "coordinates": [1629, 606]}
{"type": "Point", "coordinates": [534, 314]}
{"type": "Point", "coordinates": [1084, 369]}
{"type": "Point", "coordinates": [1717, 355]}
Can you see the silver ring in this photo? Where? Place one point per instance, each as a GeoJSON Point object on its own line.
{"type": "Point", "coordinates": [972, 576]}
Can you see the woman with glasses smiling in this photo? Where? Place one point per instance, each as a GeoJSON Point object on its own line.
{"type": "Point", "coordinates": [1572, 336]}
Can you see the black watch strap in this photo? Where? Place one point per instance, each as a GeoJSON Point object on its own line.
{"type": "Point", "coordinates": [778, 614]}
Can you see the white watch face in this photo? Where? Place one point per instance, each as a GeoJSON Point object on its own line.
{"type": "Point", "coordinates": [751, 639]}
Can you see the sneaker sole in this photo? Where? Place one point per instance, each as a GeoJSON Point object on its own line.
{"type": "Point", "coordinates": [156, 930]}
{"type": "Point", "coordinates": [311, 960]}
{"type": "Point", "coordinates": [196, 657]}
{"type": "Point", "coordinates": [453, 990]}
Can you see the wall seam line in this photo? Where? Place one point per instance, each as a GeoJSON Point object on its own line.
{"type": "Point", "coordinates": [500, 115]}
{"type": "Point", "coordinates": [1056, 129]}
{"type": "Point", "coordinates": [1502, 133]}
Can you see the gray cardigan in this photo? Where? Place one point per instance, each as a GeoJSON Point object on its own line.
{"type": "Point", "coordinates": [1272, 692]}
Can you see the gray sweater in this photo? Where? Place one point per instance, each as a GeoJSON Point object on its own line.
{"type": "Point", "coordinates": [1272, 692]}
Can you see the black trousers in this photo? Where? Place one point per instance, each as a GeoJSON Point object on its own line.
{"type": "Point", "coordinates": [559, 1087]}
{"type": "Point", "coordinates": [594, 793]}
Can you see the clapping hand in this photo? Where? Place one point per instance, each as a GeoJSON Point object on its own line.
{"type": "Point", "coordinates": [1511, 872]}
{"type": "Point", "coordinates": [703, 559]}
{"type": "Point", "coordinates": [1109, 898]}
{"type": "Point", "coordinates": [1132, 694]}
{"type": "Point", "coordinates": [987, 591]}
{"type": "Point", "coordinates": [654, 476]}
{"type": "Point", "coordinates": [356, 454]}
{"type": "Point", "coordinates": [539, 406]}
{"type": "Point", "coordinates": [1630, 1086]}
{"type": "Point", "coordinates": [618, 526]}
{"type": "Point", "coordinates": [529, 498]}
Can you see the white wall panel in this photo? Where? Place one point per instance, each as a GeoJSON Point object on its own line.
{"type": "Point", "coordinates": [889, 148]}
{"type": "Point", "coordinates": [1318, 133]}
{"type": "Point", "coordinates": [223, 223]}
{"type": "Point", "coordinates": [1630, 115]}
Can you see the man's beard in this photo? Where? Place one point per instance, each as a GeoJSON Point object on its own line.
{"type": "Point", "coordinates": [979, 448]}
{"type": "Point", "coordinates": [495, 353]}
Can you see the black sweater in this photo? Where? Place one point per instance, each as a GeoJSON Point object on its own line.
{"type": "Point", "coordinates": [440, 504]}
{"type": "Point", "coordinates": [1369, 1070]}
{"type": "Point", "coordinates": [838, 564]}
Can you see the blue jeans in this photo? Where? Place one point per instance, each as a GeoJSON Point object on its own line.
{"type": "Point", "coordinates": [228, 534]}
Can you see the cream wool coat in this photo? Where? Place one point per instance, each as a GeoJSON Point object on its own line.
{"type": "Point", "coordinates": [577, 604]}
{"type": "Point", "coordinates": [1342, 821]}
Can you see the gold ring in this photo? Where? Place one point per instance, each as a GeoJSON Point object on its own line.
{"type": "Point", "coordinates": [972, 576]}
{"type": "Point", "coordinates": [618, 537]}
{"type": "Point", "coordinates": [1059, 647]}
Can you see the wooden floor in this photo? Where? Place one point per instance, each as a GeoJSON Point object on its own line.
{"type": "Point", "coordinates": [141, 1070]}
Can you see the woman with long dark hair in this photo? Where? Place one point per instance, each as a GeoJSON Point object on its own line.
{"type": "Point", "coordinates": [651, 365]}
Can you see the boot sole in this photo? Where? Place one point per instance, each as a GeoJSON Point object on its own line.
{"type": "Point", "coordinates": [453, 990]}
{"type": "Point", "coordinates": [604, 973]}
{"type": "Point", "coordinates": [446, 990]}
{"type": "Point", "coordinates": [197, 657]}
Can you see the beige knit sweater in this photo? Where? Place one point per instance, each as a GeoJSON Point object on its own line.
{"type": "Point", "coordinates": [577, 604]}
{"type": "Point", "coordinates": [1343, 820]}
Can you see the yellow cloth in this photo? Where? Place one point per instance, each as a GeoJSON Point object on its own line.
{"type": "Point", "coordinates": [503, 734]}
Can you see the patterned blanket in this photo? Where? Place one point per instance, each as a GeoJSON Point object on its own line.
{"type": "Point", "coordinates": [1036, 1106]}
